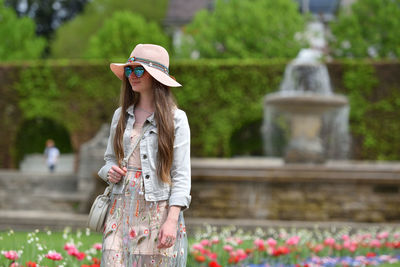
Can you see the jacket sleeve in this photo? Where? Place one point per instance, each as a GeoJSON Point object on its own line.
{"type": "Point", "coordinates": [109, 155]}
{"type": "Point", "coordinates": [181, 168]}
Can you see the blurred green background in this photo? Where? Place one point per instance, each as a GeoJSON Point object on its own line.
{"type": "Point", "coordinates": [55, 80]}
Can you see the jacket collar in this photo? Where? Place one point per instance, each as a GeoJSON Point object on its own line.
{"type": "Point", "coordinates": [150, 119]}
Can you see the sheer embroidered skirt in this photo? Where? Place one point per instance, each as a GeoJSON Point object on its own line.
{"type": "Point", "coordinates": [132, 226]}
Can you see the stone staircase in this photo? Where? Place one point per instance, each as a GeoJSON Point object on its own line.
{"type": "Point", "coordinates": [32, 197]}
{"type": "Point", "coordinates": [44, 199]}
{"type": "Point", "coordinates": [36, 163]}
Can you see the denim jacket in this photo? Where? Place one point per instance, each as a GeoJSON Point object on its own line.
{"type": "Point", "coordinates": [178, 193]}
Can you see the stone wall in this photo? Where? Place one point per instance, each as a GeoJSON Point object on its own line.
{"type": "Point", "coordinates": [265, 189]}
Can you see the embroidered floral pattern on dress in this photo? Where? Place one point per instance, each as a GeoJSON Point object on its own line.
{"type": "Point", "coordinates": [130, 236]}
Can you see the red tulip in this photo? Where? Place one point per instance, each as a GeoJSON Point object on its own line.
{"type": "Point", "coordinates": [80, 256]}
{"type": "Point", "coordinates": [30, 264]}
{"type": "Point", "coordinates": [280, 251]}
{"type": "Point", "coordinates": [200, 258]}
{"type": "Point", "coordinates": [214, 264]}
{"type": "Point", "coordinates": [96, 261]}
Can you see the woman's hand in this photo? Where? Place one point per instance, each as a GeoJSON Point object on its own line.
{"type": "Point", "coordinates": [116, 173]}
{"type": "Point", "coordinates": [167, 234]}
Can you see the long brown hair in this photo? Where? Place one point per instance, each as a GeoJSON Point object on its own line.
{"type": "Point", "coordinates": [164, 104]}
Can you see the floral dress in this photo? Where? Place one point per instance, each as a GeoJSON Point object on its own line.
{"type": "Point", "coordinates": [130, 236]}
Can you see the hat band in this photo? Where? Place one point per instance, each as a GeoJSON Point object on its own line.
{"type": "Point", "coordinates": [150, 63]}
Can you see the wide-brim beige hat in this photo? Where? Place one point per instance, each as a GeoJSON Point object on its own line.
{"type": "Point", "coordinates": [153, 58]}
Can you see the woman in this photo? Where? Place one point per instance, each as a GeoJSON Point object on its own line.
{"type": "Point", "coordinates": [145, 225]}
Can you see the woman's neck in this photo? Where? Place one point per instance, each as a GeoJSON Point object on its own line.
{"type": "Point", "coordinates": [146, 102]}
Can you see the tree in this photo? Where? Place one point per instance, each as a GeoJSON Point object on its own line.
{"type": "Point", "coordinates": [47, 14]}
{"type": "Point", "coordinates": [370, 28]}
{"type": "Point", "coordinates": [72, 38]}
{"type": "Point", "coordinates": [244, 29]}
{"type": "Point", "coordinates": [18, 37]}
{"type": "Point", "coordinates": [121, 32]}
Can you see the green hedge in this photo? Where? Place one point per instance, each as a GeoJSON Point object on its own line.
{"type": "Point", "coordinates": [222, 98]}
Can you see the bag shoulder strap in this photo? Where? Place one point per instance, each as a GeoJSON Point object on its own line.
{"type": "Point", "coordinates": [125, 160]}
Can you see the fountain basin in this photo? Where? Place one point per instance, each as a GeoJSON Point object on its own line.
{"type": "Point", "coordinates": [305, 110]}
{"type": "Point", "coordinates": [305, 103]}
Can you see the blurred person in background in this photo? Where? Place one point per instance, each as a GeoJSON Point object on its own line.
{"type": "Point", "coordinates": [51, 154]}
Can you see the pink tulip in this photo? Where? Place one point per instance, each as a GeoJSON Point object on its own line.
{"type": "Point", "coordinates": [241, 254]}
{"type": "Point", "coordinates": [69, 246]}
{"type": "Point", "coordinates": [353, 248]}
{"type": "Point", "coordinates": [52, 255]}
{"type": "Point", "coordinates": [345, 237]}
{"type": "Point", "coordinates": [382, 235]}
{"type": "Point", "coordinates": [259, 243]}
{"type": "Point", "coordinates": [239, 241]}
{"type": "Point", "coordinates": [367, 236]}
{"type": "Point", "coordinates": [97, 246]}
{"type": "Point", "coordinates": [73, 251]}
{"type": "Point", "coordinates": [215, 240]}
{"type": "Point", "coordinates": [11, 255]}
{"type": "Point", "coordinates": [396, 235]}
{"type": "Point", "coordinates": [197, 246]}
{"type": "Point", "coordinates": [228, 248]}
{"type": "Point", "coordinates": [271, 242]}
{"type": "Point", "coordinates": [205, 242]}
{"type": "Point", "coordinates": [213, 256]}
{"type": "Point", "coordinates": [329, 241]}
{"type": "Point", "coordinates": [375, 243]}
{"type": "Point", "coordinates": [318, 248]}
{"type": "Point", "coordinates": [347, 244]}
{"type": "Point", "coordinates": [293, 241]}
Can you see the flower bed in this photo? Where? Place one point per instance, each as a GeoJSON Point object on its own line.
{"type": "Point", "coordinates": [39, 249]}
{"type": "Point", "coordinates": [233, 247]}
{"type": "Point", "coordinates": [230, 247]}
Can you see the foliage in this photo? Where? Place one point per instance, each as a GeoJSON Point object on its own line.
{"type": "Point", "coordinates": [244, 29]}
{"type": "Point", "coordinates": [67, 96]}
{"type": "Point", "coordinates": [370, 29]}
{"type": "Point", "coordinates": [72, 38]}
{"type": "Point", "coordinates": [49, 14]}
{"type": "Point", "coordinates": [121, 32]}
{"type": "Point", "coordinates": [223, 105]}
{"type": "Point", "coordinates": [362, 86]}
{"type": "Point", "coordinates": [222, 100]}
{"type": "Point", "coordinates": [19, 41]}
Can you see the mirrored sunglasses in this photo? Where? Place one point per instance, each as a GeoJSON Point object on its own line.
{"type": "Point", "coordinates": [138, 71]}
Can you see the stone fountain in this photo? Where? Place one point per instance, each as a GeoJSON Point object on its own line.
{"type": "Point", "coordinates": [306, 112]}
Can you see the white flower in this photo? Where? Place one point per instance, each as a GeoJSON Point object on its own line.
{"type": "Point", "coordinates": [195, 54]}
{"type": "Point", "coordinates": [346, 44]}
{"type": "Point", "coordinates": [372, 52]}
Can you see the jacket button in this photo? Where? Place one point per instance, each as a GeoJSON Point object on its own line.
{"type": "Point", "coordinates": [145, 156]}
{"type": "Point", "coordinates": [147, 176]}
